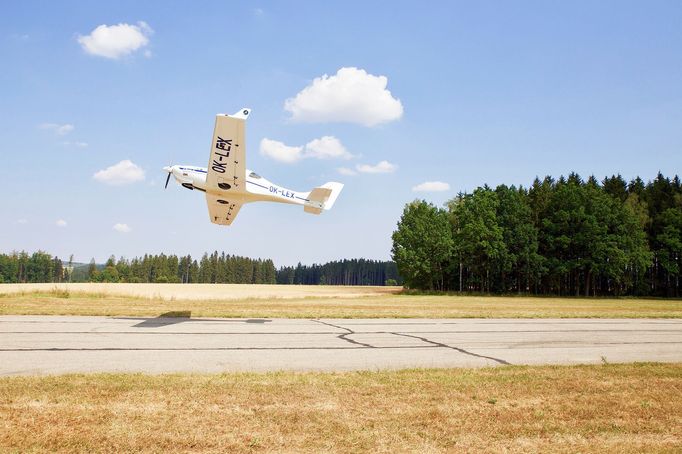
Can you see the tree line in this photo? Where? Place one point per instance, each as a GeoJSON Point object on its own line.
{"type": "Point", "coordinates": [37, 267]}
{"type": "Point", "coordinates": [558, 237]}
{"type": "Point", "coordinates": [214, 269]}
{"type": "Point", "coordinates": [342, 272]}
{"type": "Point", "coordinates": [20, 267]}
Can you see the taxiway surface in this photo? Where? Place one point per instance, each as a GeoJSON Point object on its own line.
{"type": "Point", "coordinates": [61, 344]}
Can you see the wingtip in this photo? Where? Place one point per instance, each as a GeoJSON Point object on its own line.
{"type": "Point", "coordinates": [243, 113]}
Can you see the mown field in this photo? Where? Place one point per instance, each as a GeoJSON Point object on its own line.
{"type": "Point", "coordinates": [203, 291]}
{"type": "Point", "coordinates": [606, 408]}
{"type": "Point", "coordinates": [271, 301]}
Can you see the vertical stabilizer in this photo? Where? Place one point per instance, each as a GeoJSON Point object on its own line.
{"type": "Point", "coordinates": [336, 190]}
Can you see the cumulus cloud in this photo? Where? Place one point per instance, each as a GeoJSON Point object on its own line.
{"type": "Point", "coordinates": [351, 95]}
{"type": "Point", "coordinates": [279, 151]}
{"type": "Point", "coordinates": [346, 171]}
{"type": "Point", "coordinates": [20, 36]}
{"type": "Point", "coordinates": [431, 186]}
{"type": "Point", "coordinates": [125, 172]}
{"type": "Point", "coordinates": [122, 228]}
{"type": "Point", "coordinates": [116, 41]}
{"type": "Point", "coordinates": [76, 144]}
{"type": "Point", "coordinates": [58, 129]}
{"type": "Point", "coordinates": [327, 147]}
{"type": "Point", "coordinates": [381, 167]}
{"type": "Point", "coordinates": [60, 223]}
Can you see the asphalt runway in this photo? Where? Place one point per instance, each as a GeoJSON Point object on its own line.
{"type": "Point", "coordinates": [56, 344]}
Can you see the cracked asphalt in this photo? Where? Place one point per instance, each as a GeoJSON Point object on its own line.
{"type": "Point", "coordinates": [63, 344]}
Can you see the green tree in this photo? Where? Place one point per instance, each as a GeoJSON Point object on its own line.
{"type": "Point", "coordinates": [422, 245]}
{"type": "Point", "coordinates": [109, 274]}
{"type": "Point", "coordinates": [521, 264]}
{"type": "Point", "coordinates": [93, 272]}
{"type": "Point", "coordinates": [669, 251]}
{"type": "Point", "coordinates": [478, 238]}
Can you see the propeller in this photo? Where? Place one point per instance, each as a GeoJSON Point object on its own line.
{"type": "Point", "coordinates": [170, 172]}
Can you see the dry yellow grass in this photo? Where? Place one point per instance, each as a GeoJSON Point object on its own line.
{"type": "Point", "coordinates": [61, 302]}
{"type": "Point", "coordinates": [204, 291]}
{"type": "Point", "coordinates": [608, 408]}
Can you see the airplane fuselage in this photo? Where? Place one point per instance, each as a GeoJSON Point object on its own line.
{"type": "Point", "coordinates": [257, 188]}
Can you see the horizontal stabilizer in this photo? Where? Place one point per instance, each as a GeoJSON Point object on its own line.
{"type": "Point", "coordinates": [316, 200]}
{"type": "Point", "coordinates": [311, 209]}
{"type": "Point", "coordinates": [322, 198]}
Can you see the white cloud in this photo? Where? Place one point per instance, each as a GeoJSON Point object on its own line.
{"type": "Point", "coordinates": [279, 151]}
{"type": "Point", "coordinates": [20, 36]}
{"type": "Point", "coordinates": [431, 186]}
{"type": "Point", "coordinates": [76, 144]}
{"type": "Point", "coordinates": [61, 130]}
{"type": "Point", "coordinates": [125, 172]}
{"type": "Point", "coordinates": [352, 96]}
{"type": "Point", "coordinates": [258, 11]}
{"type": "Point", "coordinates": [116, 41]}
{"type": "Point", "coordinates": [327, 147]}
{"type": "Point", "coordinates": [381, 167]}
{"type": "Point", "coordinates": [22, 221]}
{"type": "Point", "coordinates": [60, 223]}
{"type": "Point", "coordinates": [346, 171]}
{"type": "Point", "coordinates": [122, 228]}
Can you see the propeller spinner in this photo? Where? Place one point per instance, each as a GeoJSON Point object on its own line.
{"type": "Point", "coordinates": [170, 172]}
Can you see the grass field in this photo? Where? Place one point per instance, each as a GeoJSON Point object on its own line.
{"type": "Point", "coordinates": [204, 291]}
{"type": "Point", "coordinates": [607, 408]}
{"type": "Point", "coordinates": [313, 302]}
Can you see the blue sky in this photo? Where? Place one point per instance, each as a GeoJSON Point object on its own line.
{"type": "Point", "coordinates": [489, 92]}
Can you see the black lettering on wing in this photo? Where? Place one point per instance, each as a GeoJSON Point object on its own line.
{"type": "Point", "coordinates": [218, 166]}
{"type": "Point", "coordinates": [223, 144]}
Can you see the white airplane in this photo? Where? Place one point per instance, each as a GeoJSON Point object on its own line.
{"type": "Point", "coordinates": [228, 184]}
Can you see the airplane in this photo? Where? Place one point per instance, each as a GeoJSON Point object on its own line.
{"type": "Point", "coordinates": [228, 184]}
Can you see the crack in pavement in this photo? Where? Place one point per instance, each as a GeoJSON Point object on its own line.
{"type": "Point", "coordinates": [461, 350]}
{"type": "Point", "coordinates": [423, 339]}
{"type": "Point", "coordinates": [344, 336]}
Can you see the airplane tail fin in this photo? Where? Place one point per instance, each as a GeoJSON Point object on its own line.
{"type": "Point", "coordinates": [322, 198]}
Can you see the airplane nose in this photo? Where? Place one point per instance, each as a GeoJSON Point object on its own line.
{"type": "Point", "coordinates": [168, 169]}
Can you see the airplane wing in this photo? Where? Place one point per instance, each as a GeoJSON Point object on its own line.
{"type": "Point", "coordinates": [227, 163]}
{"type": "Point", "coordinates": [226, 171]}
{"type": "Point", "coordinates": [221, 209]}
